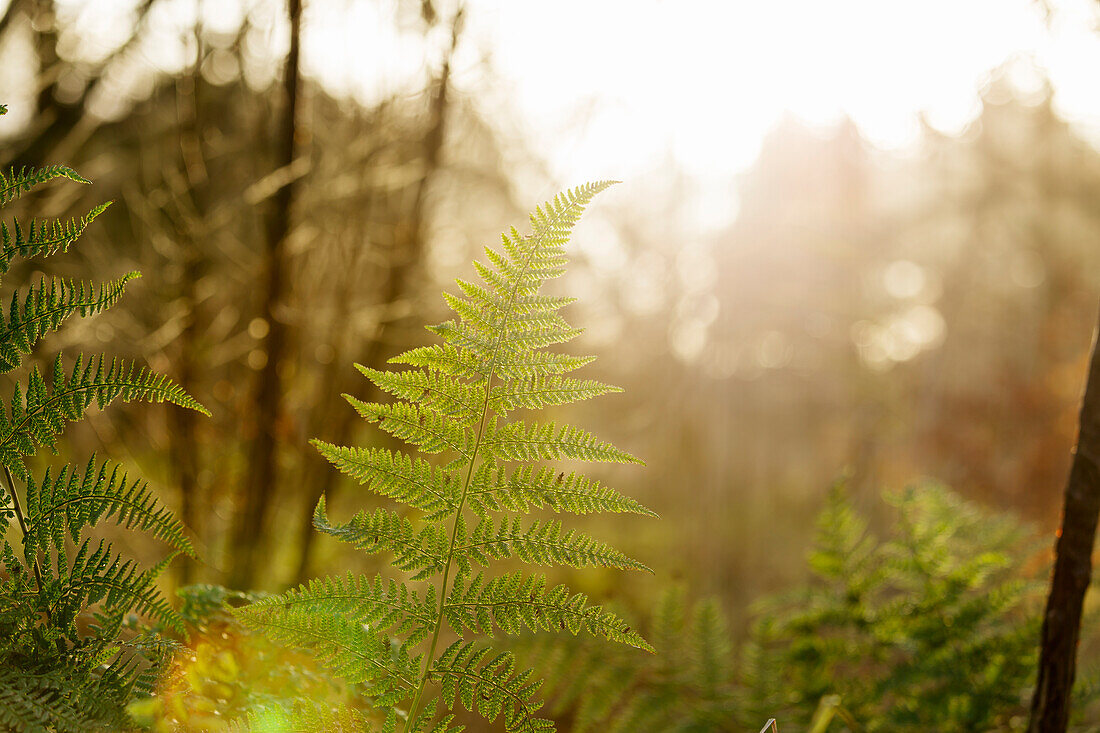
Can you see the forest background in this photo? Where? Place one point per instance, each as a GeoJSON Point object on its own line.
{"type": "Point", "coordinates": [826, 298]}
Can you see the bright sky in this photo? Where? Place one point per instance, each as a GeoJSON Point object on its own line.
{"type": "Point", "coordinates": [608, 88]}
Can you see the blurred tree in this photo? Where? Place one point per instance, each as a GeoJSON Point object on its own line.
{"type": "Point", "coordinates": [261, 480]}
{"type": "Point", "coordinates": [1061, 631]}
{"type": "Point", "coordinates": [404, 256]}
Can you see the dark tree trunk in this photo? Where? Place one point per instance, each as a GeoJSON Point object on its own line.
{"type": "Point", "coordinates": [183, 438]}
{"type": "Point", "coordinates": [408, 249]}
{"type": "Point", "coordinates": [1050, 705]}
{"type": "Point", "coordinates": [261, 478]}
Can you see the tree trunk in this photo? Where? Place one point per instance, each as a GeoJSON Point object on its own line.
{"type": "Point", "coordinates": [183, 437]}
{"type": "Point", "coordinates": [261, 478]}
{"type": "Point", "coordinates": [1072, 569]}
{"type": "Point", "coordinates": [408, 249]}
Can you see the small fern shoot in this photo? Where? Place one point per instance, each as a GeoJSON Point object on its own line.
{"type": "Point", "coordinates": [457, 401]}
{"type": "Point", "coordinates": [64, 597]}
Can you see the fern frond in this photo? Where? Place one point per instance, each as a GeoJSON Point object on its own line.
{"type": "Point", "coordinates": [536, 393]}
{"type": "Point", "coordinates": [514, 602]}
{"type": "Point", "coordinates": [101, 576]}
{"type": "Point", "coordinates": [38, 704]}
{"type": "Point", "coordinates": [411, 481]}
{"type": "Point", "coordinates": [461, 402]}
{"type": "Point", "coordinates": [422, 426]}
{"type": "Point", "coordinates": [421, 553]}
{"type": "Point", "coordinates": [490, 686]}
{"type": "Point", "coordinates": [539, 363]}
{"type": "Point", "coordinates": [541, 543]}
{"type": "Point", "coordinates": [384, 606]}
{"type": "Point", "coordinates": [37, 419]}
{"type": "Point", "coordinates": [64, 664]}
{"type": "Point", "coordinates": [72, 501]}
{"type": "Point", "coordinates": [493, 488]}
{"type": "Point", "coordinates": [46, 306]}
{"type": "Point", "coordinates": [493, 359]}
{"type": "Point", "coordinates": [517, 442]}
{"type": "Point", "coordinates": [43, 238]}
{"type": "Point", "coordinates": [441, 358]}
{"type": "Point", "coordinates": [14, 184]}
{"type": "Point", "coordinates": [347, 647]}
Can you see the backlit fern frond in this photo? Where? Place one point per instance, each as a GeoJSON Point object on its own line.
{"type": "Point", "coordinates": [66, 504]}
{"type": "Point", "coordinates": [465, 508]}
{"type": "Point", "coordinates": [516, 602]}
{"type": "Point", "coordinates": [46, 306]}
{"type": "Point", "coordinates": [42, 238]}
{"type": "Point", "coordinates": [488, 684]}
{"type": "Point", "coordinates": [344, 644]}
{"type": "Point", "coordinates": [38, 412]}
{"type": "Point", "coordinates": [688, 686]}
{"type": "Point", "coordinates": [66, 663]}
{"type": "Point", "coordinates": [15, 183]}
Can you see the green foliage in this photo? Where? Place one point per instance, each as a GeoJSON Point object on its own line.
{"type": "Point", "coordinates": [466, 509]}
{"type": "Point", "coordinates": [70, 659]}
{"type": "Point", "coordinates": [689, 686]}
{"type": "Point", "coordinates": [932, 629]}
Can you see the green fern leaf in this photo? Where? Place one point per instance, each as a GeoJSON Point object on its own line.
{"type": "Point", "coordinates": [38, 704]}
{"type": "Point", "coordinates": [38, 419]}
{"type": "Point", "coordinates": [527, 487]}
{"type": "Point", "coordinates": [541, 543]}
{"type": "Point", "coordinates": [490, 686]}
{"type": "Point", "coordinates": [345, 646]}
{"type": "Point", "coordinates": [454, 399]}
{"type": "Point", "coordinates": [421, 553]}
{"type": "Point", "coordinates": [45, 307]}
{"type": "Point", "coordinates": [101, 576]}
{"type": "Point", "coordinates": [411, 481]}
{"type": "Point", "coordinates": [515, 601]}
{"type": "Point", "coordinates": [43, 238]}
{"type": "Point", "coordinates": [72, 501]}
{"type": "Point", "coordinates": [64, 664]}
{"type": "Point", "coordinates": [384, 606]}
{"type": "Point", "coordinates": [517, 442]}
{"type": "Point", "coordinates": [15, 184]}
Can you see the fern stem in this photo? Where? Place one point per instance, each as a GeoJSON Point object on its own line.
{"type": "Point", "coordinates": [36, 565]}
{"type": "Point", "coordinates": [428, 660]}
{"type": "Point", "coordinates": [462, 498]}
{"type": "Point", "coordinates": [494, 352]}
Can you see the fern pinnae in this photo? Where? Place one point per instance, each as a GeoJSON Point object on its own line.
{"type": "Point", "coordinates": [14, 184]}
{"type": "Point", "coordinates": [455, 402]}
{"type": "Point", "coordinates": [46, 306]}
{"type": "Point", "coordinates": [43, 238]}
{"type": "Point", "coordinates": [71, 501]}
{"type": "Point", "coordinates": [39, 417]}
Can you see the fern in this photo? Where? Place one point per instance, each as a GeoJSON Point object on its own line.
{"type": "Point", "coordinates": [465, 510]}
{"type": "Point", "coordinates": [65, 663]}
{"type": "Point", "coordinates": [931, 629]}
{"type": "Point", "coordinates": [689, 686]}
